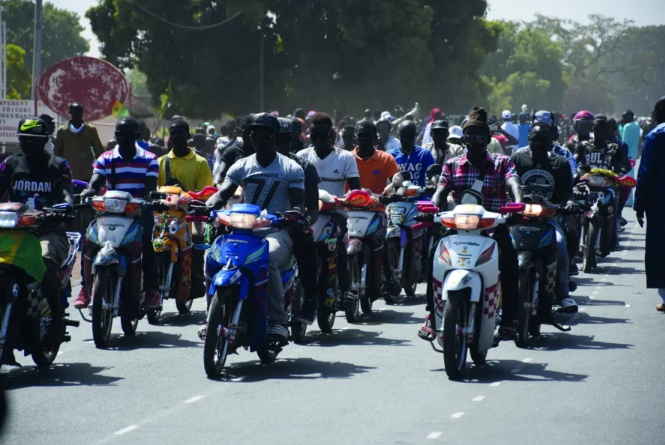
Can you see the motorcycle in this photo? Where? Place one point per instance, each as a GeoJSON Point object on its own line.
{"type": "Point", "coordinates": [113, 270]}
{"type": "Point", "coordinates": [365, 248]}
{"type": "Point", "coordinates": [325, 233]}
{"type": "Point", "coordinates": [405, 235]}
{"type": "Point", "coordinates": [25, 313]}
{"type": "Point", "coordinates": [172, 242]}
{"type": "Point", "coordinates": [466, 282]}
{"type": "Point", "coordinates": [535, 241]}
{"type": "Point", "coordinates": [238, 263]}
{"type": "Point", "coordinates": [598, 226]}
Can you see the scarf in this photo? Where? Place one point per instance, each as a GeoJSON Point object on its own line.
{"type": "Point", "coordinates": [76, 130]}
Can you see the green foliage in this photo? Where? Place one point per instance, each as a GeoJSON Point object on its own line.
{"type": "Point", "coordinates": [61, 36]}
{"type": "Point", "coordinates": [341, 54]}
{"type": "Point", "coordinates": [19, 79]}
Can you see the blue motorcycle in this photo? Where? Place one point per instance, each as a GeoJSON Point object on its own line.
{"type": "Point", "coordinates": [238, 265]}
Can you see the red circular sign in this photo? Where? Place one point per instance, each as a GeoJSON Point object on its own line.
{"type": "Point", "coordinates": [92, 82]}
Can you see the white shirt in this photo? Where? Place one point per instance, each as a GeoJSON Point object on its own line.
{"type": "Point", "coordinates": [427, 136]}
{"type": "Point", "coordinates": [334, 170]}
{"type": "Point", "coordinates": [512, 130]}
{"type": "Point", "coordinates": [393, 143]}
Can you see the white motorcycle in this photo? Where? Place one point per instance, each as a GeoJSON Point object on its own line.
{"type": "Point", "coordinates": [466, 283]}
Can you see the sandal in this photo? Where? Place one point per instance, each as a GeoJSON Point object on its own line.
{"type": "Point", "coordinates": [426, 332]}
{"type": "Point", "coordinates": [660, 307]}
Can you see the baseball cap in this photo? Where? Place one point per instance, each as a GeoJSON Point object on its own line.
{"type": "Point", "coordinates": [32, 127]}
{"type": "Point", "coordinates": [544, 117]}
{"type": "Point", "coordinates": [385, 115]}
{"type": "Point", "coordinates": [440, 125]}
{"type": "Point", "coordinates": [265, 120]}
{"type": "Point", "coordinates": [285, 125]}
{"type": "Point", "coordinates": [506, 114]}
{"type": "Point", "coordinates": [456, 132]}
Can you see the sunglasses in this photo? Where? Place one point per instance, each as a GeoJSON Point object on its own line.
{"type": "Point", "coordinates": [262, 137]}
{"type": "Point", "coordinates": [470, 139]}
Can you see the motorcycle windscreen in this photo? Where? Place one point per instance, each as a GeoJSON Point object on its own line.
{"type": "Point", "coordinates": [532, 235]}
{"type": "Point", "coordinates": [22, 249]}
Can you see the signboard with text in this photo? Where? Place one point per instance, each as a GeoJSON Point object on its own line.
{"type": "Point", "coordinates": [11, 113]}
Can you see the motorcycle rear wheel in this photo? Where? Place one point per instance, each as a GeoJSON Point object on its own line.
{"type": "Point", "coordinates": [216, 348]}
{"type": "Point", "coordinates": [393, 257]}
{"type": "Point", "coordinates": [454, 340]}
{"type": "Point", "coordinates": [325, 317]}
{"type": "Point", "coordinates": [524, 296]}
{"type": "Point", "coordinates": [589, 260]}
{"type": "Point", "coordinates": [353, 315]}
{"type": "Point", "coordinates": [44, 357]}
{"type": "Point", "coordinates": [184, 307]}
{"type": "Point", "coordinates": [102, 319]}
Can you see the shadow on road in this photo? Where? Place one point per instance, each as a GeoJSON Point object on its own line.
{"type": "Point", "coordinates": [513, 370]}
{"type": "Point", "coordinates": [584, 318]}
{"type": "Point", "coordinates": [176, 320]}
{"type": "Point", "coordinates": [586, 301]}
{"type": "Point", "coordinates": [150, 340]}
{"type": "Point", "coordinates": [388, 316]}
{"type": "Point", "coordinates": [559, 342]}
{"type": "Point", "coordinates": [298, 368]}
{"type": "Point", "coordinates": [417, 300]}
{"type": "Point", "coordinates": [59, 374]}
{"type": "Point", "coordinates": [351, 337]}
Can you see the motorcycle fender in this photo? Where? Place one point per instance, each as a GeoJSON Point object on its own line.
{"type": "Point", "coordinates": [393, 232]}
{"type": "Point", "coordinates": [355, 246]}
{"type": "Point", "coordinates": [174, 252]}
{"type": "Point", "coordinates": [225, 278]}
{"type": "Point", "coordinates": [459, 279]}
{"type": "Point", "coordinates": [526, 260]}
{"type": "Point", "coordinates": [105, 258]}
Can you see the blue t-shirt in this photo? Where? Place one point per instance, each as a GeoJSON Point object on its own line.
{"type": "Point", "coordinates": [417, 163]}
{"type": "Point", "coordinates": [524, 134]}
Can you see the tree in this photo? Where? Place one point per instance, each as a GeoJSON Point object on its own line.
{"type": "Point", "coordinates": [19, 79]}
{"type": "Point", "coordinates": [340, 54]}
{"type": "Point", "coordinates": [61, 37]}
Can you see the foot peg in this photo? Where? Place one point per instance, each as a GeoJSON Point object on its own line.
{"type": "Point", "coordinates": [72, 323]}
{"type": "Point", "coordinates": [562, 328]}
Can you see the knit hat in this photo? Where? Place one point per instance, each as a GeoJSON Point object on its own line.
{"type": "Point", "coordinates": [478, 118]}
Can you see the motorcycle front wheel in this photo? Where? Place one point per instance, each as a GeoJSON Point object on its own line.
{"type": "Point", "coordinates": [524, 297]}
{"type": "Point", "coordinates": [455, 319]}
{"type": "Point", "coordinates": [216, 347]}
{"type": "Point", "coordinates": [589, 260]}
{"type": "Point", "coordinates": [393, 257]}
{"type": "Point", "coordinates": [102, 318]}
{"type": "Point", "coordinates": [353, 315]}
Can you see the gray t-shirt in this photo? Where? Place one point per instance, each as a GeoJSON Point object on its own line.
{"type": "Point", "coordinates": [268, 187]}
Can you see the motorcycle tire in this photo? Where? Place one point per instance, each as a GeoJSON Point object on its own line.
{"type": "Point", "coordinates": [102, 320]}
{"type": "Point", "coordinates": [215, 349]}
{"type": "Point", "coordinates": [524, 296]}
{"type": "Point", "coordinates": [479, 358]}
{"type": "Point", "coordinates": [129, 324]}
{"type": "Point", "coordinates": [298, 329]}
{"type": "Point", "coordinates": [353, 315]}
{"type": "Point", "coordinates": [454, 342]}
{"type": "Point", "coordinates": [393, 257]}
{"type": "Point", "coordinates": [184, 307]}
{"type": "Point", "coordinates": [44, 357]}
{"type": "Point", "coordinates": [589, 259]}
{"type": "Point", "coordinates": [163, 263]}
{"type": "Point", "coordinates": [325, 317]}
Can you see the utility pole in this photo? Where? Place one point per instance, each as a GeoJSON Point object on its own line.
{"type": "Point", "coordinates": [262, 70]}
{"type": "Point", "coordinates": [37, 50]}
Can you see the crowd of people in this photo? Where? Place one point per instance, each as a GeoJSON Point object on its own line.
{"type": "Point", "coordinates": [281, 163]}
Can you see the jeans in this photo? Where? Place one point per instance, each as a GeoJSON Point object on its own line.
{"type": "Point", "coordinates": [280, 247]}
{"type": "Point", "coordinates": [562, 262]}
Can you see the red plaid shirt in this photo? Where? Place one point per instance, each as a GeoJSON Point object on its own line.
{"type": "Point", "coordinates": [459, 175]}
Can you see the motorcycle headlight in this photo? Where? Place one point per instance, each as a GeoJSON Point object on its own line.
{"type": "Point", "coordinates": [8, 220]}
{"type": "Point", "coordinates": [242, 220]}
{"type": "Point", "coordinates": [467, 222]}
{"type": "Point", "coordinates": [115, 205]}
{"type": "Point", "coordinates": [596, 181]}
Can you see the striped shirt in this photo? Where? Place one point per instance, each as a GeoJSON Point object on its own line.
{"type": "Point", "coordinates": [129, 175]}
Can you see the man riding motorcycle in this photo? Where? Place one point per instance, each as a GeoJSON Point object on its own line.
{"type": "Point", "coordinates": [583, 125]}
{"type": "Point", "coordinates": [411, 157]}
{"type": "Point", "coordinates": [131, 169]}
{"type": "Point", "coordinates": [40, 179]}
{"type": "Point", "coordinates": [459, 174]}
{"type": "Point", "coordinates": [541, 167]}
{"type": "Point", "coordinates": [337, 168]}
{"type": "Point", "coordinates": [183, 167]}
{"type": "Point", "coordinates": [275, 183]}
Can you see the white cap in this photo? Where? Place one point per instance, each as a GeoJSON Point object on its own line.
{"type": "Point", "coordinates": [506, 114]}
{"type": "Point", "coordinates": [385, 115]}
{"type": "Point", "coordinates": [455, 132]}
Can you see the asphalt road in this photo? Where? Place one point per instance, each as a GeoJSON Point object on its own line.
{"type": "Point", "coordinates": [371, 383]}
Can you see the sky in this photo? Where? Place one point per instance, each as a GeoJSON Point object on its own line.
{"type": "Point", "coordinates": [642, 12]}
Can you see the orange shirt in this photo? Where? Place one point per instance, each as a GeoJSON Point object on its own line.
{"type": "Point", "coordinates": [376, 171]}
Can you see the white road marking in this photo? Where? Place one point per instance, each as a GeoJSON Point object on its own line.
{"type": "Point", "coordinates": [598, 287]}
{"type": "Point", "coordinates": [495, 384]}
{"type": "Point", "coordinates": [592, 297]}
{"type": "Point", "coordinates": [627, 305]}
{"type": "Point", "coordinates": [126, 430]}
{"type": "Point", "coordinates": [478, 399]}
{"type": "Point", "coordinates": [515, 371]}
{"type": "Point", "coordinates": [604, 279]}
{"type": "Point", "coordinates": [457, 415]}
{"type": "Point", "coordinates": [194, 399]}
{"type": "Point", "coordinates": [435, 435]}
{"type": "Point", "coordinates": [595, 292]}
{"type": "Point", "coordinates": [582, 309]}
{"type": "Point", "coordinates": [527, 360]}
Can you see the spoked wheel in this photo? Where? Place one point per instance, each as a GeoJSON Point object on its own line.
{"type": "Point", "coordinates": [589, 260]}
{"type": "Point", "coordinates": [216, 347]}
{"type": "Point", "coordinates": [393, 257]}
{"type": "Point", "coordinates": [455, 319]}
{"type": "Point", "coordinates": [102, 318]}
{"type": "Point", "coordinates": [163, 267]}
{"type": "Point", "coordinates": [298, 329]}
{"type": "Point", "coordinates": [524, 297]}
{"type": "Point", "coordinates": [353, 314]}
